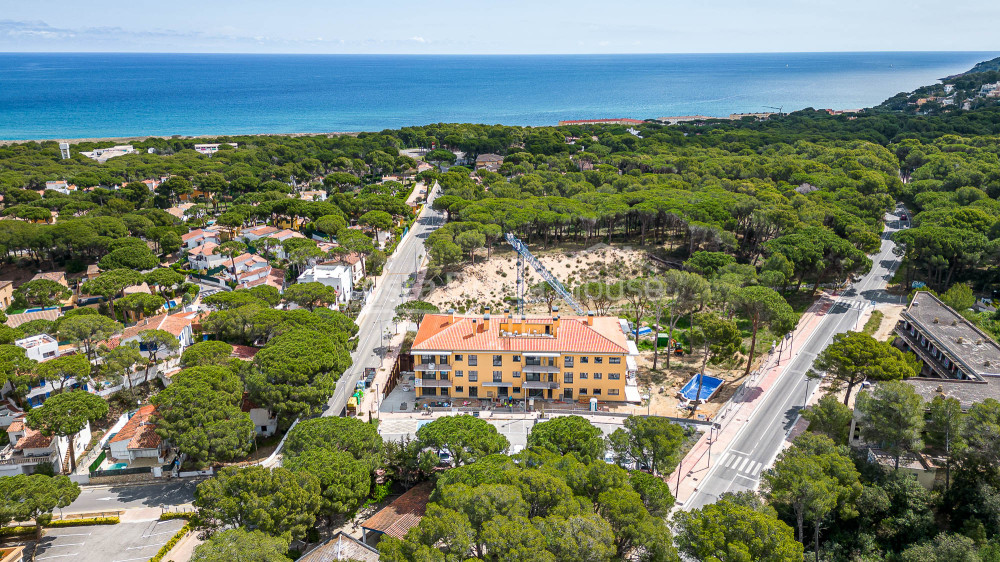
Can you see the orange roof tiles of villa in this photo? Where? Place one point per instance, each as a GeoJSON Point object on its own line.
{"type": "Point", "coordinates": [33, 440]}
{"type": "Point", "coordinates": [440, 332]}
{"type": "Point", "coordinates": [404, 513]}
{"type": "Point", "coordinates": [261, 230]}
{"type": "Point", "coordinates": [203, 250]}
{"type": "Point", "coordinates": [139, 433]}
{"type": "Point", "coordinates": [172, 323]}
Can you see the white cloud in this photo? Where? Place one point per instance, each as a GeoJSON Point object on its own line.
{"type": "Point", "coordinates": [418, 39]}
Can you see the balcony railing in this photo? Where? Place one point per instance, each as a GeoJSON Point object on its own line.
{"type": "Point", "coordinates": [9, 456]}
{"type": "Point", "coordinates": [540, 384]}
{"type": "Point", "coordinates": [431, 383]}
{"type": "Point", "coordinates": [539, 369]}
{"type": "Point", "coordinates": [432, 367]}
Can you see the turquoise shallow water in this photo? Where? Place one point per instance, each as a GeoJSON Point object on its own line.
{"type": "Point", "coordinates": [54, 95]}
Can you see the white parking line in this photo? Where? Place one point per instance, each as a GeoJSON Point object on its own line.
{"type": "Point", "coordinates": [145, 546]}
{"type": "Point", "coordinates": [62, 545]}
{"type": "Point", "coordinates": [57, 556]}
{"type": "Point", "coordinates": [160, 533]}
{"type": "Point", "coordinates": [69, 535]}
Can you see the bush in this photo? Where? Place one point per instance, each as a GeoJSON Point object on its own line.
{"type": "Point", "coordinates": [189, 515]}
{"type": "Point", "coordinates": [85, 521]}
{"type": "Point", "coordinates": [170, 544]}
{"type": "Point", "coordinates": [17, 530]}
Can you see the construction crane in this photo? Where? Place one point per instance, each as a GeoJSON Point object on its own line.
{"type": "Point", "coordinates": [778, 108]}
{"type": "Point", "coordinates": [524, 255]}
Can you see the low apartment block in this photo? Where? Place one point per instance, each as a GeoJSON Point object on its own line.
{"type": "Point", "coordinates": [949, 346]}
{"type": "Point", "coordinates": [544, 358]}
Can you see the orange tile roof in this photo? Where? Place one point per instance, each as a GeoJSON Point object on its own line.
{"type": "Point", "coordinates": [204, 249]}
{"type": "Point", "coordinates": [139, 433]}
{"type": "Point", "coordinates": [192, 234]}
{"type": "Point", "coordinates": [57, 276]}
{"type": "Point", "coordinates": [244, 352]}
{"type": "Point", "coordinates": [260, 230]}
{"type": "Point", "coordinates": [16, 425]}
{"type": "Point", "coordinates": [32, 440]}
{"type": "Point", "coordinates": [288, 232]}
{"type": "Point", "coordinates": [15, 320]}
{"type": "Point", "coordinates": [176, 323]}
{"type": "Point", "coordinates": [404, 513]}
{"type": "Point", "coordinates": [439, 332]}
{"type": "Point", "coordinates": [172, 323]}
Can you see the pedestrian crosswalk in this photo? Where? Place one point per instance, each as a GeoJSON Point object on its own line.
{"type": "Point", "coordinates": [742, 464]}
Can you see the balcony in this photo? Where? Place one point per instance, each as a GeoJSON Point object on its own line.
{"type": "Point", "coordinates": [935, 364]}
{"type": "Point", "coordinates": [540, 384]}
{"type": "Point", "coordinates": [9, 456]}
{"type": "Point", "coordinates": [439, 367]}
{"type": "Point", "coordinates": [539, 369]}
{"type": "Point", "coordinates": [431, 383]}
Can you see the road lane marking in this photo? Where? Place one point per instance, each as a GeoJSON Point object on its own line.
{"type": "Point", "coordinates": [740, 468]}
{"type": "Point", "coordinates": [738, 452]}
{"type": "Point", "coordinates": [62, 545]}
{"type": "Point", "coordinates": [69, 535]}
{"type": "Point", "coordinates": [57, 556]}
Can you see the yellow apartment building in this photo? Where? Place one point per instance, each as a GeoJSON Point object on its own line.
{"type": "Point", "coordinates": [541, 358]}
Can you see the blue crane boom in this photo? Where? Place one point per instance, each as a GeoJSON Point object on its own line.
{"type": "Point", "coordinates": [524, 255]}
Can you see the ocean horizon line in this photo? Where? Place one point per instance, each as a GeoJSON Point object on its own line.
{"type": "Point", "coordinates": [496, 55]}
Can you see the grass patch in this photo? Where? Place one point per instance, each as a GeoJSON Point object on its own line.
{"type": "Point", "coordinates": [873, 323]}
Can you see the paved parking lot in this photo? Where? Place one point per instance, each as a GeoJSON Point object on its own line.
{"type": "Point", "coordinates": [124, 542]}
{"type": "Point", "coordinates": [515, 430]}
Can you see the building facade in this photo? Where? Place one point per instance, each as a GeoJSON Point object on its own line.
{"type": "Point", "coordinates": [545, 358]}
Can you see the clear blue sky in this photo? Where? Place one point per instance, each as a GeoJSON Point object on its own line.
{"type": "Point", "coordinates": [500, 26]}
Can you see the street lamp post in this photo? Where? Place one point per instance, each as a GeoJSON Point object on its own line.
{"type": "Point", "coordinates": [680, 470]}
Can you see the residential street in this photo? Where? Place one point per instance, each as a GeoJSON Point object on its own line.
{"type": "Point", "coordinates": [376, 318]}
{"type": "Point", "coordinates": [168, 493]}
{"type": "Point", "coordinates": [760, 439]}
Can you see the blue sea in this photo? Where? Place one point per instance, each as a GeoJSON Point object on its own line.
{"type": "Point", "coordinates": [54, 95]}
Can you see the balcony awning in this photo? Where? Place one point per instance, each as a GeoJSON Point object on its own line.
{"type": "Point", "coordinates": [539, 354]}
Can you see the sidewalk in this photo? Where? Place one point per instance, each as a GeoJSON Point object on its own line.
{"type": "Point", "coordinates": [742, 406]}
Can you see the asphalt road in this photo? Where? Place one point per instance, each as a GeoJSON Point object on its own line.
{"type": "Point", "coordinates": [377, 320]}
{"type": "Point", "coordinates": [759, 441]}
{"type": "Point", "coordinates": [170, 493]}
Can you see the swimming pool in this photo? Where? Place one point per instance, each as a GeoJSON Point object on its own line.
{"type": "Point", "coordinates": [118, 465]}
